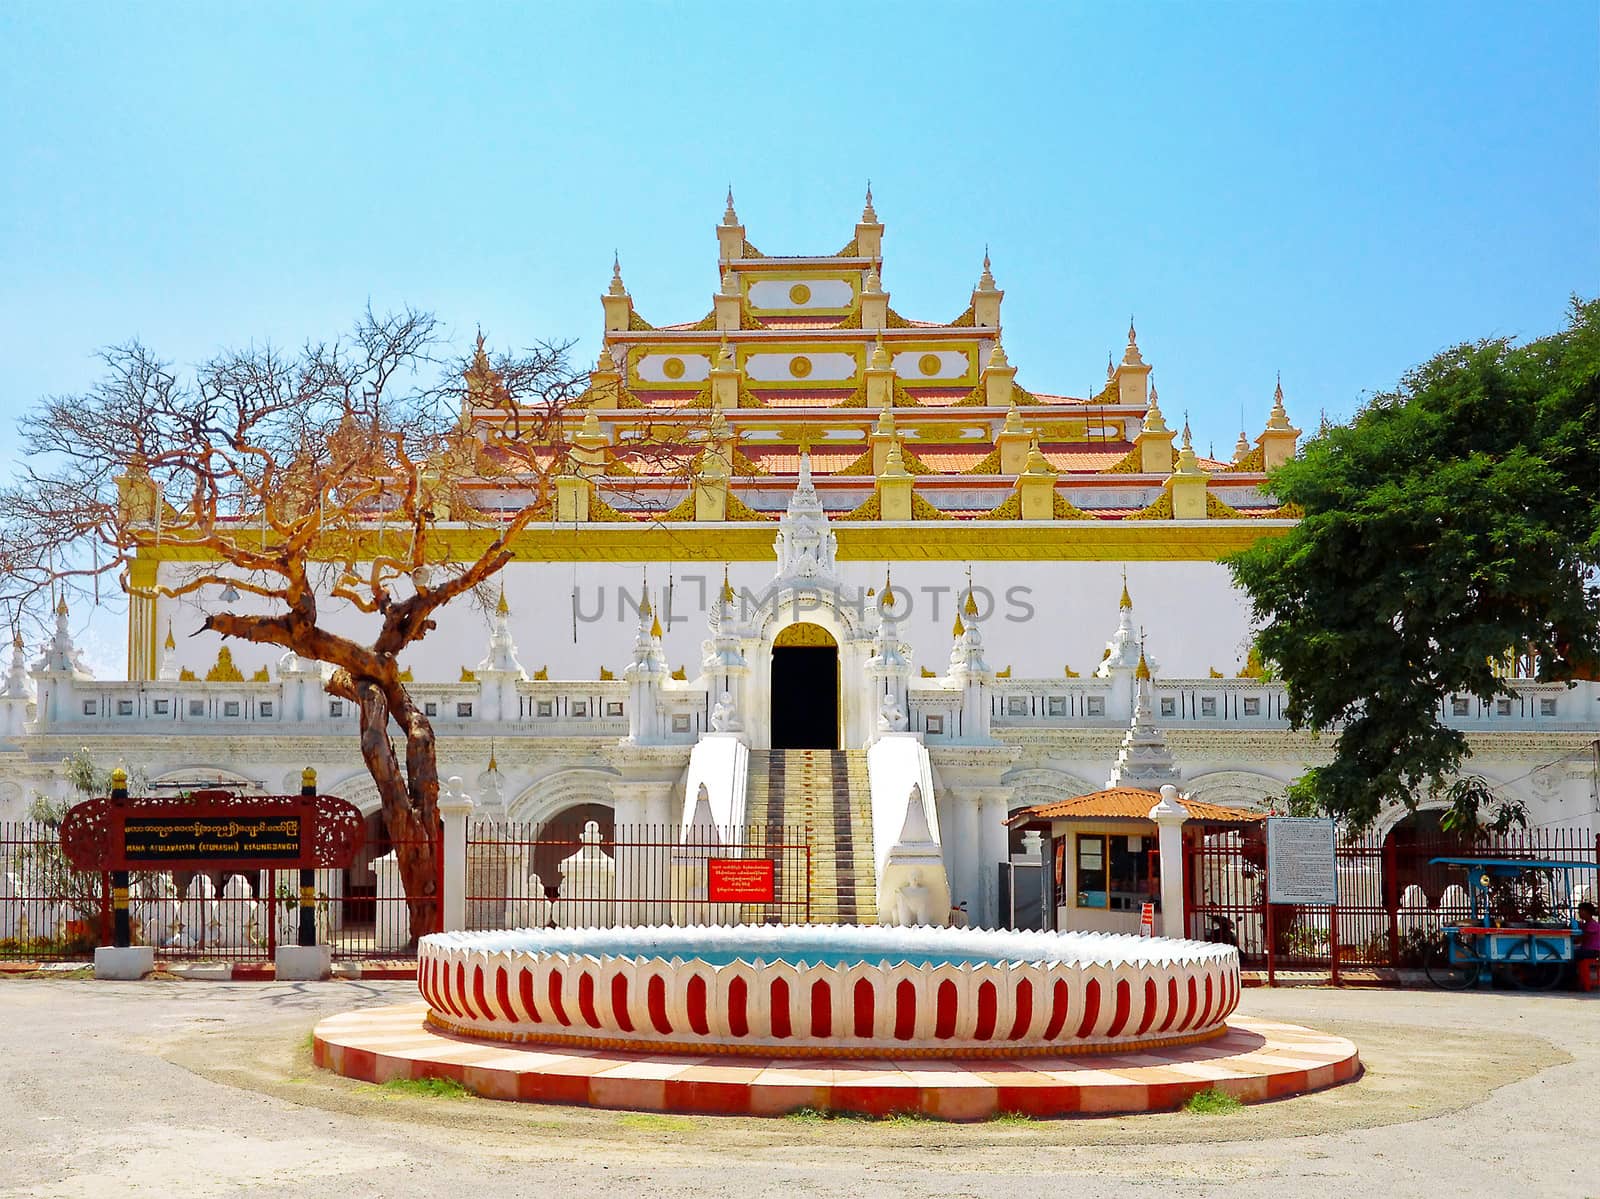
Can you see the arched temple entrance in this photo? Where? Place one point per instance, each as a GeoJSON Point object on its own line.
{"type": "Point", "coordinates": [805, 688]}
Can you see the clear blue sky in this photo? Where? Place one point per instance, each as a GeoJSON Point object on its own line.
{"type": "Point", "coordinates": [1333, 190]}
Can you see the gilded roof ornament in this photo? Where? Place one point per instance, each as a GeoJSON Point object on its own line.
{"type": "Point", "coordinates": [894, 465]}
{"type": "Point", "coordinates": [617, 287]}
{"type": "Point", "coordinates": [729, 216]}
{"type": "Point", "coordinates": [169, 643]}
{"type": "Point", "coordinates": [873, 285]}
{"type": "Point", "coordinates": [1278, 418]}
{"type": "Point", "coordinates": [997, 356]}
{"type": "Point", "coordinates": [986, 280]}
{"type": "Point", "coordinates": [1013, 419]}
{"type": "Point", "coordinates": [502, 608]}
{"type": "Point", "coordinates": [868, 215]}
{"type": "Point", "coordinates": [1131, 356]}
{"type": "Point", "coordinates": [1142, 671]}
{"type": "Point", "coordinates": [880, 355]}
{"type": "Point", "coordinates": [1126, 602]}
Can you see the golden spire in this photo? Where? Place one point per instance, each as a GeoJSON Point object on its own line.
{"type": "Point", "coordinates": [1127, 600]}
{"type": "Point", "coordinates": [997, 356]}
{"type": "Point", "coordinates": [986, 280]}
{"type": "Point", "coordinates": [880, 355]}
{"type": "Point", "coordinates": [494, 766]}
{"type": "Point", "coordinates": [959, 629]}
{"type": "Point", "coordinates": [970, 608]}
{"type": "Point", "coordinates": [1037, 463]}
{"type": "Point", "coordinates": [873, 285]}
{"type": "Point", "coordinates": [168, 644]}
{"type": "Point", "coordinates": [1110, 370]}
{"type": "Point", "coordinates": [1131, 355]}
{"type": "Point", "coordinates": [655, 627]}
{"type": "Point", "coordinates": [61, 608]}
{"type": "Point", "coordinates": [1142, 671]}
{"type": "Point", "coordinates": [868, 215]}
{"type": "Point", "coordinates": [894, 464]}
{"type": "Point", "coordinates": [888, 601]}
{"type": "Point", "coordinates": [727, 588]}
{"type": "Point", "coordinates": [1013, 417]}
{"type": "Point", "coordinates": [1278, 418]}
{"type": "Point", "coordinates": [502, 608]}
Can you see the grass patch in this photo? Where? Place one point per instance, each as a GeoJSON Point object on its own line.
{"type": "Point", "coordinates": [1212, 1103]}
{"type": "Point", "coordinates": [426, 1088]}
{"type": "Point", "coordinates": [822, 1115]}
{"type": "Point", "coordinates": [1011, 1118]}
{"type": "Point", "coordinates": [655, 1123]}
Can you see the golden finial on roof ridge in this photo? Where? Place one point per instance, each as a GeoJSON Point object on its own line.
{"type": "Point", "coordinates": [986, 280]}
{"type": "Point", "coordinates": [958, 629]}
{"type": "Point", "coordinates": [1142, 671]}
{"type": "Point", "coordinates": [888, 600]}
{"type": "Point", "coordinates": [997, 356]}
{"type": "Point", "coordinates": [1278, 418]}
{"type": "Point", "coordinates": [880, 354]}
{"type": "Point", "coordinates": [618, 288]}
{"type": "Point", "coordinates": [168, 644]}
{"type": "Point", "coordinates": [494, 766]}
{"type": "Point", "coordinates": [1127, 600]}
{"type": "Point", "coordinates": [655, 626]}
{"type": "Point", "coordinates": [729, 216]}
{"type": "Point", "coordinates": [868, 215]}
{"type": "Point", "coordinates": [502, 608]}
{"type": "Point", "coordinates": [727, 595]}
{"type": "Point", "coordinates": [61, 608]}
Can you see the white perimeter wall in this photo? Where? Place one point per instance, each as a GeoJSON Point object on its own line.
{"type": "Point", "coordinates": [1038, 616]}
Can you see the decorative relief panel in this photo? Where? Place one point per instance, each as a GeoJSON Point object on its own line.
{"type": "Point", "coordinates": [941, 365]}
{"type": "Point", "coordinates": [673, 368]}
{"type": "Point", "coordinates": [801, 294]}
{"type": "Point", "coordinates": [802, 366]}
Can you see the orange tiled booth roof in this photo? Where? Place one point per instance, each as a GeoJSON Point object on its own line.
{"type": "Point", "coordinates": [1128, 803]}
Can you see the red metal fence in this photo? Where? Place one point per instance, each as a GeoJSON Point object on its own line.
{"type": "Point", "coordinates": [1391, 896]}
{"type": "Point", "coordinates": [534, 875]}
{"type": "Point", "coordinates": [51, 912]}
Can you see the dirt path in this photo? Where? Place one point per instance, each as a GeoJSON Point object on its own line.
{"type": "Point", "coordinates": [208, 1090]}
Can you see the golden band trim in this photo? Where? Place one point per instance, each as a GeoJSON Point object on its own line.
{"type": "Point", "coordinates": [308, 896]}
{"type": "Point", "coordinates": [833, 1050]}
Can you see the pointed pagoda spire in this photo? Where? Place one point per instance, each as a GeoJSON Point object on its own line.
{"type": "Point", "coordinates": [1278, 418]}
{"type": "Point", "coordinates": [17, 678]}
{"type": "Point", "coordinates": [501, 657]}
{"type": "Point", "coordinates": [869, 215]}
{"type": "Point", "coordinates": [168, 671]}
{"type": "Point", "coordinates": [729, 216]}
{"type": "Point", "coordinates": [1241, 448]}
{"type": "Point", "coordinates": [880, 355]}
{"type": "Point", "coordinates": [502, 608]}
{"type": "Point", "coordinates": [1111, 370]}
{"type": "Point", "coordinates": [1143, 760]}
{"type": "Point", "coordinates": [1125, 604]}
{"type": "Point", "coordinates": [617, 288]}
{"type": "Point", "coordinates": [997, 356]}
{"type": "Point", "coordinates": [986, 280]}
{"type": "Point", "coordinates": [1131, 355]}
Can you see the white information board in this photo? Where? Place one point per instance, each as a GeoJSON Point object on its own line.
{"type": "Point", "coordinates": [1301, 866]}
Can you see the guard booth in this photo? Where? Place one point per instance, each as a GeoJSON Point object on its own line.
{"type": "Point", "coordinates": [1105, 860]}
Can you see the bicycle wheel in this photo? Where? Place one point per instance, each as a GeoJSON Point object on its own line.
{"type": "Point", "coordinates": [1456, 975]}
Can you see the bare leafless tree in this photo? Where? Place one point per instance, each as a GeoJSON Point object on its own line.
{"type": "Point", "coordinates": [289, 477]}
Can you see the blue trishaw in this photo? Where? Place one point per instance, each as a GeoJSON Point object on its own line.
{"type": "Point", "coordinates": [1509, 932]}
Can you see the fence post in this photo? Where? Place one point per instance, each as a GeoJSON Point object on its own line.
{"type": "Point", "coordinates": [308, 878]}
{"type": "Point", "coordinates": [305, 961]}
{"type": "Point", "coordinates": [1169, 816]}
{"type": "Point", "coordinates": [455, 806]}
{"type": "Point", "coordinates": [1333, 942]}
{"type": "Point", "coordinates": [122, 959]}
{"type": "Point", "coordinates": [1391, 899]}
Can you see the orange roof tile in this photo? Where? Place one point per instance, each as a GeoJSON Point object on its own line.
{"type": "Point", "coordinates": [1084, 460]}
{"type": "Point", "coordinates": [1129, 803]}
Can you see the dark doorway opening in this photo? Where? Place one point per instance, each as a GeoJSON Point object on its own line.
{"type": "Point", "coordinates": [805, 697]}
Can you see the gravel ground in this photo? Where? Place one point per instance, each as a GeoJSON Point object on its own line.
{"type": "Point", "coordinates": [207, 1089]}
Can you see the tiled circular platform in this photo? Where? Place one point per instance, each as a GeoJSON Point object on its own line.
{"type": "Point", "coordinates": [1253, 1061]}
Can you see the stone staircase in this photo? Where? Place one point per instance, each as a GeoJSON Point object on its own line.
{"type": "Point", "coordinates": [824, 792]}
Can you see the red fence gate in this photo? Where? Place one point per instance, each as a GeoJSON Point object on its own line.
{"type": "Point", "coordinates": [1391, 897]}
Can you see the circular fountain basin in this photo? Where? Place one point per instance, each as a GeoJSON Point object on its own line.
{"type": "Point", "coordinates": [828, 990]}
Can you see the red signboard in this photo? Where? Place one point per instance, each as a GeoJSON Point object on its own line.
{"type": "Point", "coordinates": [1147, 919]}
{"type": "Point", "coordinates": [740, 880]}
{"type": "Point", "coordinates": [208, 829]}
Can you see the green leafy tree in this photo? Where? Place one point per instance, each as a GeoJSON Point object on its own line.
{"type": "Point", "coordinates": [1450, 530]}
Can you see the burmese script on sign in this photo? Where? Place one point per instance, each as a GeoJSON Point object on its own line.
{"type": "Point", "coordinates": [739, 880]}
{"type": "Point", "coordinates": [169, 838]}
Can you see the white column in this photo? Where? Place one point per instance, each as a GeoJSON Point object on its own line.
{"type": "Point", "coordinates": [961, 843]}
{"type": "Point", "coordinates": [992, 850]}
{"type": "Point", "coordinates": [1169, 816]}
{"type": "Point", "coordinates": [455, 806]}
